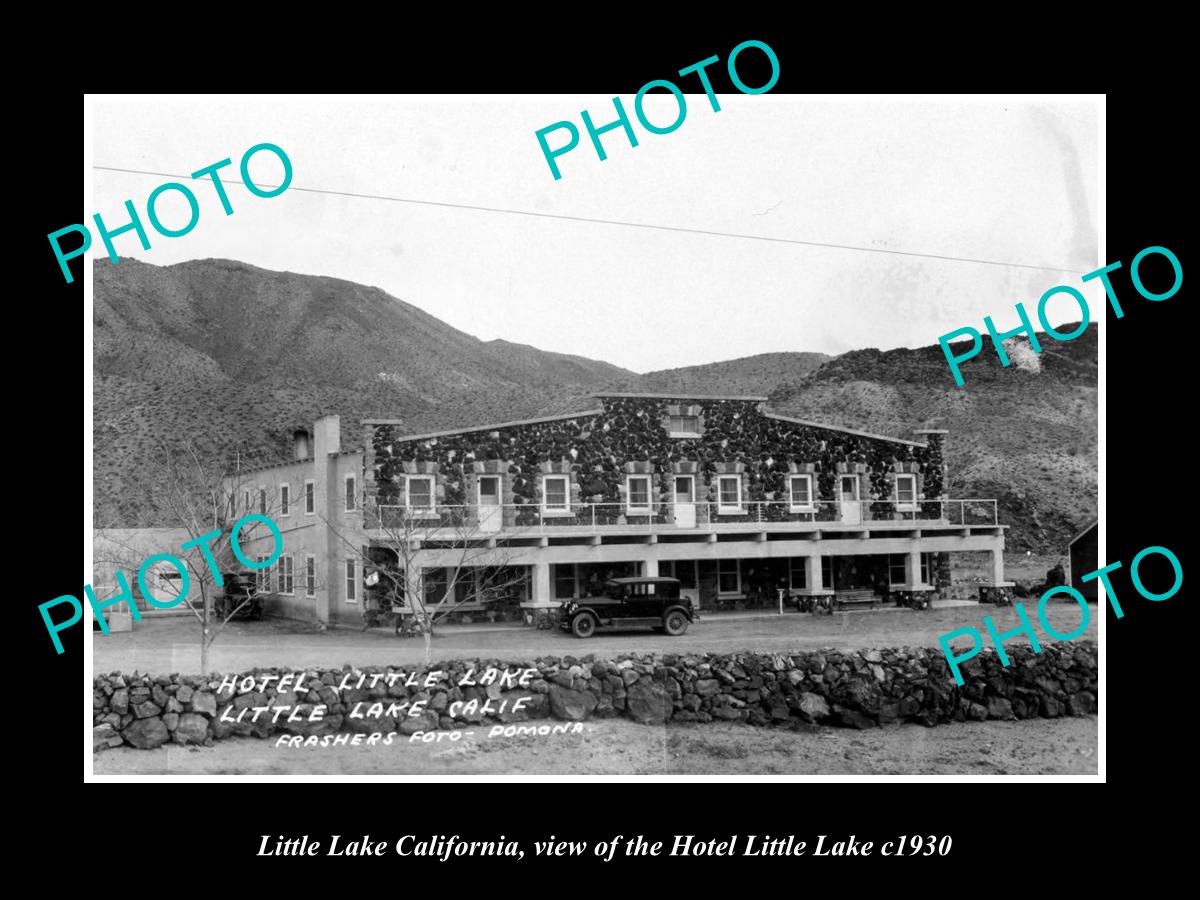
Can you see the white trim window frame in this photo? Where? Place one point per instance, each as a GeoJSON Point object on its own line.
{"type": "Point", "coordinates": [310, 575]}
{"type": "Point", "coordinates": [426, 510]}
{"type": "Point", "coordinates": [911, 503]}
{"type": "Point", "coordinates": [351, 580]}
{"type": "Point", "coordinates": [639, 509]}
{"type": "Point", "coordinates": [897, 562]}
{"type": "Point", "coordinates": [724, 508]}
{"type": "Point", "coordinates": [285, 500]}
{"type": "Point", "coordinates": [350, 493]}
{"type": "Point", "coordinates": [805, 505]}
{"type": "Point", "coordinates": [310, 498]}
{"type": "Point", "coordinates": [677, 427]}
{"type": "Point", "coordinates": [563, 509]}
{"type": "Point", "coordinates": [287, 575]}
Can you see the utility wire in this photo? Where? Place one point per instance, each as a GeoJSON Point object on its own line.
{"type": "Point", "coordinates": [540, 215]}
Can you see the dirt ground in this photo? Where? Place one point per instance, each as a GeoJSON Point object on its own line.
{"type": "Point", "coordinates": [170, 644]}
{"type": "Point", "coordinates": [619, 747]}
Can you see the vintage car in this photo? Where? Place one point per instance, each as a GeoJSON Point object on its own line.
{"type": "Point", "coordinates": [627, 603]}
{"type": "Point", "coordinates": [239, 597]}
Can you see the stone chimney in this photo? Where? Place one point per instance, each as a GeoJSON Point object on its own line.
{"type": "Point", "coordinates": [327, 437]}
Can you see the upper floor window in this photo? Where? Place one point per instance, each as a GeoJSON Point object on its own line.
{"type": "Point", "coordinates": [801, 493]}
{"type": "Point", "coordinates": [729, 492]}
{"type": "Point", "coordinates": [351, 491]}
{"type": "Point", "coordinates": [285, 498]}
{"type": "Point", "coordinates": [556, 493]}
{"type": "Point", "coordinates": [638, 493]}
{"type": "Point", "coordinates": [420, 492]}
{"type": "Point", "coordinates": [684, 426]}
{"type": "Point", "coordinates": [310, 499]}
{"type": "Point", "coordinates": [245, 501]}
{"type": "Point", "coordinates": [262, 501]}
{"type": "Point", "coordinates": [906, 491]}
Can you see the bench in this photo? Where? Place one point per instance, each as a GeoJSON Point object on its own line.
{"type": "Point", "coordinates": [865, 597]}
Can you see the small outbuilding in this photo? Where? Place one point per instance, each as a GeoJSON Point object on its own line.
{"type": "Point", "coordinates": [1083, 557]}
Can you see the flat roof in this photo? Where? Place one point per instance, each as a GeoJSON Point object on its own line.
{"type": "Point", "coordinates": [683, 396]}
{"type": "Point", "coordinates": [472, 429]}
{"type": "Point", "coordinates": [594, 412]}
{"type": "Point", "coordinates": [866, 434]}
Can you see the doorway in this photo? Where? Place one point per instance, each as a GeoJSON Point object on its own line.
{"type": "Point", "coordinates": [685, 501]}
{"type": "Point", "coordinates": [491, 513]}
{"type": "Point", "coordinates": [851, 510]}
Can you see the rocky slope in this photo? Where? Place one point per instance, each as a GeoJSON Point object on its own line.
{"type": "Point", "coordinates": [227, 357]}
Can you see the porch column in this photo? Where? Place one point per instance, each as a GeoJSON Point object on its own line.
{"type": "Point", "coordinates": [812, 574]}
{"type": "Point", "coordinates": [998, 565]}
{"type": "Point", "coordinates": [541, 584]}
{"type": "Point", "coordinates": [912, 568]}
{"type": "Point", "coordinates": [650, 568]}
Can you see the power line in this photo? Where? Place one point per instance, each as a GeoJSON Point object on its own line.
{"type": "Point", "coordinates": [541, 215]}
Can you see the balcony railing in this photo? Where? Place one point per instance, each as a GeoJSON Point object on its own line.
{"type": "Point", "coordinates": [599, 518]}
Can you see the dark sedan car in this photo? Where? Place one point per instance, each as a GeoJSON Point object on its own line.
{"type": "Point", "coordinates": [630, 602]}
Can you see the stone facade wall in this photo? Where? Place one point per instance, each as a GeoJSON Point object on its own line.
{"type": "Point", "coordinates": [857, 689]}
{"type": "Point", "coordinates": [630, 435]}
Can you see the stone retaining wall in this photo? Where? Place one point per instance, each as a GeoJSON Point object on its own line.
{"type": "Point", "coordinates": [859, 689]}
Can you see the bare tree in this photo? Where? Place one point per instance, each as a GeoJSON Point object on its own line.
{"type": "Point", "coordinates": [200, 500]}
{"type": "Point", "coordinates": [451, 539]}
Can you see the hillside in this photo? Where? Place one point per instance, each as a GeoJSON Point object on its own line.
{"type": "Point", "coordinates": [748, 376]}
{"type": "Point", "coordinates": [1025, 435]}
{"type": "Point", "coordinates": [231, 357]}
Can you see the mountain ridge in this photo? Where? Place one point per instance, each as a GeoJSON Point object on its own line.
{"type": "Point", "coordinates": [230, 357]}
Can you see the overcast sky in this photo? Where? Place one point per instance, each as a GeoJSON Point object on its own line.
{"type": "Point", "coordinates": [1008, 181]}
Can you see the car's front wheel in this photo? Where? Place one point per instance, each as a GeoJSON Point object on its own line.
{"type": "Point", "coordinates": [675, 623]}
{"type": "Point", "coordinates": [583, 625]}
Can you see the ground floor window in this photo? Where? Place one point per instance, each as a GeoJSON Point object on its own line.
{"type": "Point", "coordinates": [797, 576]}
{"type": "Point", "coordinates": [729, 576]}
{"type": "Point", "coordinates": [310, 576]}
{"type": "Point", "coordinates": [287, 583]}
{"type": "Point", "coordinates": [928, 568]}
{"type": "Point", "coordinates": [683, 569]}
{"type": "Point", "coordinates": [351, 581]}
{"type": "Point", "coordinates": [564, 581]}
{"type": "Point", "coordinates": [435, 586]}
{"type": "Point", "coordinates": [827, 572]}
{"type": "Point", "coordinates": [896, 564]}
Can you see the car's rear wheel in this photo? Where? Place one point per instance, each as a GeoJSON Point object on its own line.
{"type": "Point", "coordinates": [583, 625]}
{"type": "Point", "coordinates": [675, 623]}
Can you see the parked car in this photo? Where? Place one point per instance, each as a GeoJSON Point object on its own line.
{"type": "Point", "coordinates": [239, 593]}
{"type": "Point", "coordinates": [630, 602]}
